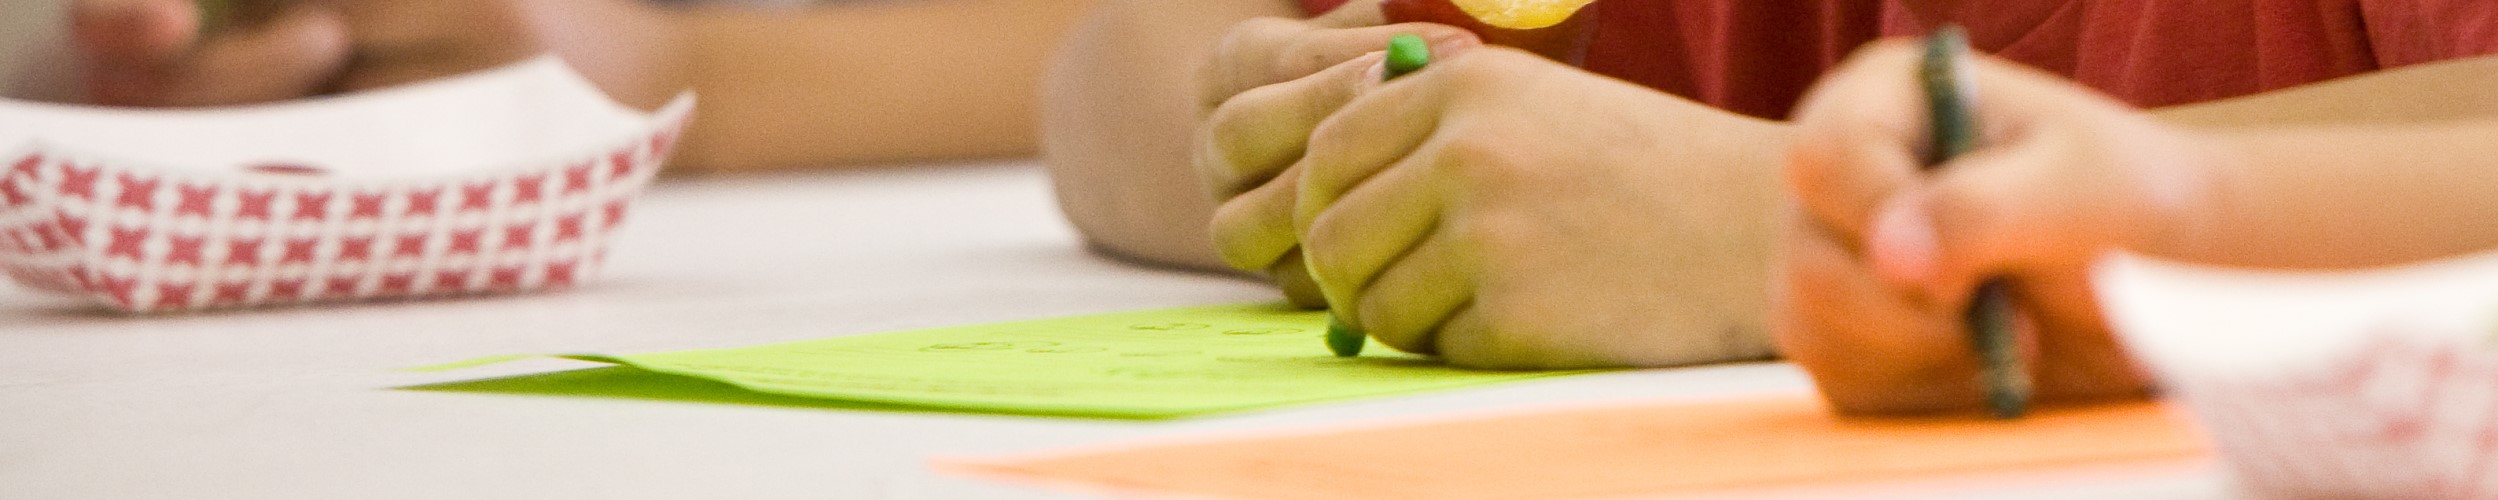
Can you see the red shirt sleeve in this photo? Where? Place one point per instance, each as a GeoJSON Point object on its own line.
{"type": "Point", "coordinates": [2407, 32]}
{"type": "Point", "coordinates": [1316, 7]}
{"type": "Point", "coordinates": [1747, 56]}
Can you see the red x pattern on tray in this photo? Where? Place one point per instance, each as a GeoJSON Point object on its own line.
{"type": "Point", "coordinates": [148, 240]}
{"type": "Point", "coordinates": [2402, 417]}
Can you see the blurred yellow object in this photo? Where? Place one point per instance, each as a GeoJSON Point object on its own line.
{"type": "Point", "coordinates": [1521, 14]}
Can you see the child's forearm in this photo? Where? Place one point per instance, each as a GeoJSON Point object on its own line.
{"type": "Point", "coordinates": [2340, 197]}
{"type": "Point", "coordinates": [880, 81]}
{"type": "Point", "coordinates": [2439, 91]}
{"type": "Point", "coordinates": [1120, 111]}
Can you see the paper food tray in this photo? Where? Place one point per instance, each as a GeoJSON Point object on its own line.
{"type": "Point", "coordinates": [506, 180]}
{"type": "Point", "coordinates": [2374, 384]}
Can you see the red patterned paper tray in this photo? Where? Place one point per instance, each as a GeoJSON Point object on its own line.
{"type": "Point", "coordinates": [2363, 384]}
{"type": "Point", "coordinates": [82, 219]}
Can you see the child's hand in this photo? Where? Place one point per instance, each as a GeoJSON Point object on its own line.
{"type": "Point", "coordinates": [1503, 210]}
{"type": "Point", "coordinates": [153, 52]}
{"type": "Point", "coordinates": [1879, 264]}
{"type": "Point", "coordinates": [1263, 91]}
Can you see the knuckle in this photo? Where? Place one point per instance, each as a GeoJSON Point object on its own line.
{"type": "Point", "coordinates": [1492, 347]}
{"type": "Point", "coordinates": [1323, 241]}
{"type": "Point", "coordinates": [1300, 50]}
{"type": "Point", "coordinates": [1331, 139]}
{"type": "Point", "coordinates": [1252, 35]}
{"type": "Point", "coordinates": [1485, 68]}
{"type": "Point", "coordinates": [1324, 260]}
{"type": "Point", "coordinates": [1477, 157]}
{"type": "Point", "coordinates": [1297, 58]}
{"type": "Point", "coordinates": [1215, 169]}
{"type": "Point", "coordinates": [1494, 230]}
{"type": "Point", "coordinates": [1227, 125]}
{"type": "Point", "coordinates": [1246, 43]}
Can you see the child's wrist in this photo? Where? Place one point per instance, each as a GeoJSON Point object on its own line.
{"type": "Point", "coordinates": [2194, 193]}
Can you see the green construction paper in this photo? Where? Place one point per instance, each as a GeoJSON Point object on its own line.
{"type": "Point", "coordinates": [625, 382]}
{"type": "Point", "coordinates": [1146, 364]}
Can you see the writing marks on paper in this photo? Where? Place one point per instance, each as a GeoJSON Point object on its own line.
{"type": "Point", "coordinates": [989, 346]}
{"type": "Point", "coordinates": [1265, 331]}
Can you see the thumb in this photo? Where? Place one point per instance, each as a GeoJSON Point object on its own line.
{"type": "Point", "coordinates": [2004, 211]}
{"type": "Point", "coordinates": [1987, 215]}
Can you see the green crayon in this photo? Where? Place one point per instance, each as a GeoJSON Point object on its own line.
{"type": "Point", "coordinates": [1990, 315]}
{"type": "Point", "coordinates": [1407, 53]}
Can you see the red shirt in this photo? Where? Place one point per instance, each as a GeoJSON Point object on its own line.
{"type": "Point", "coordinates": [1758, 56]}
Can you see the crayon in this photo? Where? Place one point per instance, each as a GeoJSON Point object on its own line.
{"type": "Point", "coordinates": [1990, 315]}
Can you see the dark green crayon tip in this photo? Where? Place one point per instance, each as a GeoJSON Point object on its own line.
{"type": "Point", "coordinates": [1990, 316]}
{"type": "Point", "coordinates": [1345, 340]}
{"type": "Point", "coordinates": [1407, 53]}
{"type": "Point", "coordinates": [2006, 378]}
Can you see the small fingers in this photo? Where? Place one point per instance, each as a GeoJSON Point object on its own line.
{"type": "Point", "coordinates": [1292, 274]}
{"type": "Point", "coordinates": [1372, 228]}
{"type": "Point", "coordinates": [1377, 129]}
{"type": "Point", "coordinates": [1254, 135]}
{"type": "Point", "coordinates": [1411, 300]}
{"type": "Point", "coordinates": [1266, 51]}
{"type": "Point", "coordinates": [1254, 230]}
{"type": "Point", "coordinates": [1318, 50]}
{"type": "Point", "coordinates": [1991, 213]}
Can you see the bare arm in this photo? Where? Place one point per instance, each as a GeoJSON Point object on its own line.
{"type": "Point", "coordinates": [2446, 90]}
{"type": "Point", "coordinates": [871, 82]}
{"type": "Point", "coordinates": [1118, 111]}
{"type": "Point", "coordinates": [2373, 169]}
{"type": "Point", "coordinates": [853, 82]}
{"type": "Point", "coordinates": [2334, 197]}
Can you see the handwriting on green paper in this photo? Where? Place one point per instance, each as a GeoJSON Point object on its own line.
{"type": "Point", "coordinates": [1146, 364]}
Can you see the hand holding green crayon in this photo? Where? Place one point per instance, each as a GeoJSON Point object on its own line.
{"type": "Point", "coordinates": [1407, 53]}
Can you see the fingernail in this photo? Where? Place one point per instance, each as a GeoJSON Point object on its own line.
{"type": "Point", "coordinates": [1902, 243]}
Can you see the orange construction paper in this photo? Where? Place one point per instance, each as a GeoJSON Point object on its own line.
{"type": "Point", "coordinates": [1656, 449]}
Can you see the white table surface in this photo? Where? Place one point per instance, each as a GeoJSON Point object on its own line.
{"type": "Point", "coordinates": [299, 403]}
